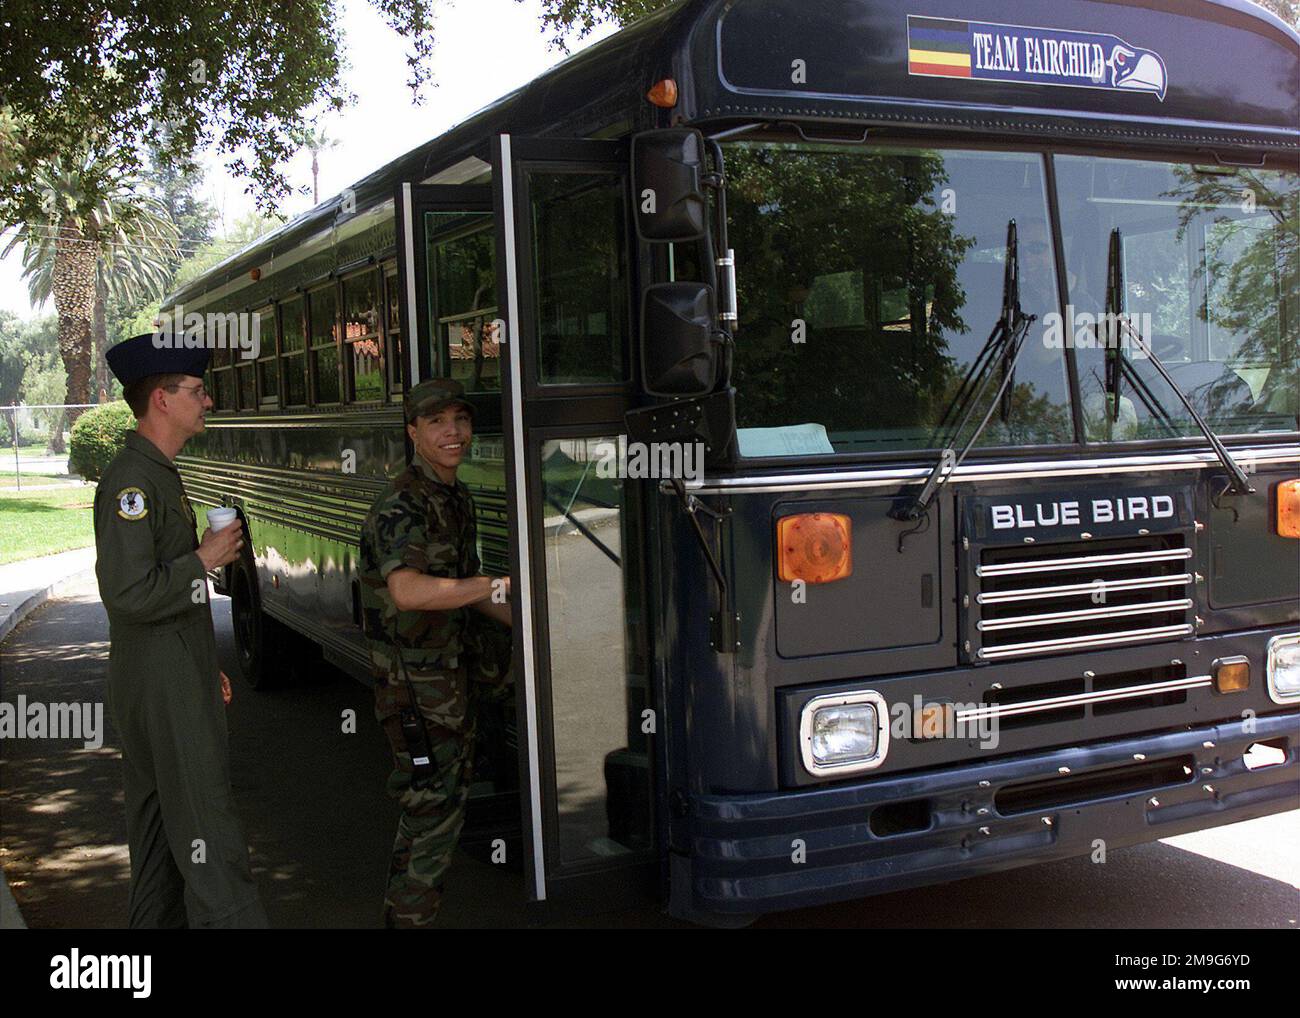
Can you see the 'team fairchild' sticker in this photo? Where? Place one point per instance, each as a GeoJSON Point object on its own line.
{"type": "Point", "coordinates": [948, 48]}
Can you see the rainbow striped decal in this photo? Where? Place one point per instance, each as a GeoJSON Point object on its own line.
{"type": "Point", "coordinates": [1031, 55]}
{"type": "Point", "coordinates": [938, 46]}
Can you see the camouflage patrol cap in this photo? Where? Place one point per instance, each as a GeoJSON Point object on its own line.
{"type": "Point", "coordinates": [435, 394]}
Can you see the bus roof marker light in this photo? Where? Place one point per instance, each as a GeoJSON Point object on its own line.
{"type": "Point", "coordinates": [1288, 508]}
{"type": "Point", "coordinates": [814, 547]}
{"type": "Point", "coordinates": [663, 94]}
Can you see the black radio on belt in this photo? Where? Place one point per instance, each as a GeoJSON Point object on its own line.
{"type": "Point", "coordinates": [415, 735]}
{"type": "Point", "coordinates": [417, 744]}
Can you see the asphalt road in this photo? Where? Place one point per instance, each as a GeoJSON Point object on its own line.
{"type": "Point", "coordinates": [320, 827]}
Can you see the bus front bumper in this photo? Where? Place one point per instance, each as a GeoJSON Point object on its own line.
{"type": "Point", "coordinates": [772, 851]}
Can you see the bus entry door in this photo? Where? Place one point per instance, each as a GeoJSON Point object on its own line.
{"type": "Point", "coordinates": [566, 250]}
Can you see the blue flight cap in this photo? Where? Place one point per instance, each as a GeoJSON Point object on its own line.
{"type": "Point", "coordinates": [141, 356]}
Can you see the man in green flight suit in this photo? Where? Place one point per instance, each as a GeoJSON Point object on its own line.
{"type": "Point", "coordinates": [419, 574]}
{"type": "Point", "coordinates": [189, 859]}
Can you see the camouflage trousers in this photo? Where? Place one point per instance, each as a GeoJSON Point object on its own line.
{"type": "Point", "coordinates": [432, 817]}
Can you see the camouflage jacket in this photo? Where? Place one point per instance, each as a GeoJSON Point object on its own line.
{"type": "Point", "coordinates": [421, 523]}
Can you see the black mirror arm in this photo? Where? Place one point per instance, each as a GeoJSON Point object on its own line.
{"type": "Point", "coordinates": [722, 256]}
{"type": "Point", "coordinates": [693, 505]}
{"type": "Point", "coordinates": [717, 179]}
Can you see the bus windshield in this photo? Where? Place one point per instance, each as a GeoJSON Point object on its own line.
{"type": "Point", "coordinates": [1209, 271]}
{"type": "Point", "coordinates": [870, 279]}
{"type": "Point", "coordinates": [869, 282]}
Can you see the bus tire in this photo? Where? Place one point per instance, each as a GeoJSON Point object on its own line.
{"type": "Point", "coordinates": [261, 643]}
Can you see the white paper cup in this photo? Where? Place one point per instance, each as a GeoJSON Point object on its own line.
{"type": "Point", "coordinates": [219, 519]}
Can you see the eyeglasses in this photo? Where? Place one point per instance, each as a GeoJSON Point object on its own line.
{"type": "Point", "coordinates": [198, 390]}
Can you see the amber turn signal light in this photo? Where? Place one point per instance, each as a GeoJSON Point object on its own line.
{"type": "Point", "coordinates": [1231, 674]}
{"type": "Point", "coordinates": [1288, 508]}
{"type": "Point", "coordinates": [814, 547]}
{"type": "Point", "coordinates": [663, 93]}
{"type": "Point", "coordinates": [934, 721]}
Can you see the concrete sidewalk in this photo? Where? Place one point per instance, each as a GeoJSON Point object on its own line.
{"type": "Point", "coordinates": [10, 917]}
{"type": "Point", "coordinates": [26, 585]}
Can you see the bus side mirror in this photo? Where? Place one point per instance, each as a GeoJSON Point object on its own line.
{"type": "Point", "coordinates": [666, 183]}
{"type": "Point", "coordinates": [678, 347]}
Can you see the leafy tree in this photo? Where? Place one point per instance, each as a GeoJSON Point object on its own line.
{"type": "Point", "coordinates": [563, 16]}
{"type": "Point", "coordinates": [13, 360]}
{"type": "Point", "coordinates": [174, 183]}
{"type": "Point", "coordinates": [1287, 10]}
{"type": "Point", "coordinates": [240, 76]}
{"type": "Point", "coordinates": [43, 376]}
{"type": "Point", "coordinates": [196, 262]}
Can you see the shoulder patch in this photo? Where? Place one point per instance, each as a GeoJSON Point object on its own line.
{"type": "Point", "coordinates": [131, 504]}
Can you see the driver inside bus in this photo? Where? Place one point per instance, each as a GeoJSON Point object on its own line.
{"type": "Point", "coordinates": [435, 663]}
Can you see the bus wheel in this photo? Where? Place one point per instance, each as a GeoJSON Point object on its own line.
{"type": "Point", "coordinates": [261, 642]}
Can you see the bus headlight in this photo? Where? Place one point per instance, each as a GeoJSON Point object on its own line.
{"type": "Point", "coordinates": [1283, 669]}
{"type": "Point", "coordinates": [844, 733]}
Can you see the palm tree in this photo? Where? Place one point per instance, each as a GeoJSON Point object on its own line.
{"type": "Point", "coordinates": [316, 142]}
{"type": "Point", "coordinates": [123, 247]}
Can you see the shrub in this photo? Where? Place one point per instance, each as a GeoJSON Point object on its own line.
{"type": "Point", "coordinates": [97, 437]}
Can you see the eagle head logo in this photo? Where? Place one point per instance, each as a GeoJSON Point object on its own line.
{"type": "Point", "coordinates": [1137, 70]}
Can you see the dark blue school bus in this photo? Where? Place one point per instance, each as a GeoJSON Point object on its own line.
{"type": "Point", "coordinates": [888, 414]}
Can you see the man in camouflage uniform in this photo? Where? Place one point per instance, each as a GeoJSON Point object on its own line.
{"type": "Point", "coordinates": [419, 575]}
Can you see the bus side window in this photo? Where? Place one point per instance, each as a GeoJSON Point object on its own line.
{"type": "Point", "coordinates": [463, 307]}
{"type": "Point", "coordinates": [268, 371]}
{"type": "Point", "coordinates": [223, 379]}
{"type": "Point", "coordinates": [364, 361]}
{"type": "Point", "coordinates": [580, 274]}
{"type": "Point", "coordinates": [293, 359]}
{"type": "Point", "coordinates": [322, 312]}
{"type": "Point", "coordinates": [393, 329]}
{"type": "Point", "coordinates": [245, 378]}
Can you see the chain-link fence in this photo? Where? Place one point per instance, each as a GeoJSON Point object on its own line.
{"type": "Point", "coordinates": [37, 436]}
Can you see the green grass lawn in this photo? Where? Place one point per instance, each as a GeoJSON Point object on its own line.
{"type": "Point", "coordinates": [31, 478]}
{"type": "Point", "coordinates": [45, 522]}
{"type": "Point", "coordinates": [26, 452]}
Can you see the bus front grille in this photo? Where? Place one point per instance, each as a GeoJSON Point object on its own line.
{"type": "Point", "coordinates": [1069, 597]}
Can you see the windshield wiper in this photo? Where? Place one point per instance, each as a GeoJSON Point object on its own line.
{"type": "Point", "coordinates": [1117, 365]}
{"type": "Point", "coordinates": [1003, 347]}
{"type": "Point", "coordinates": [1115, 360]}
